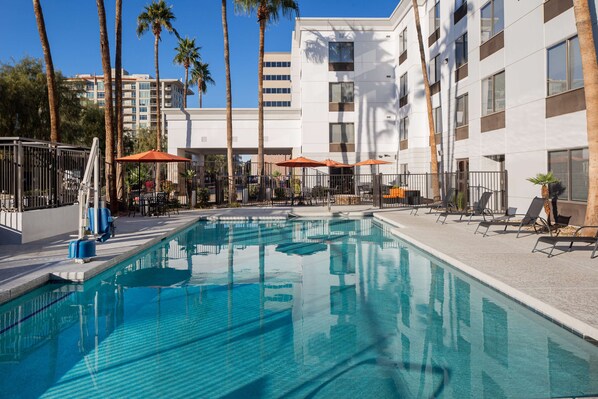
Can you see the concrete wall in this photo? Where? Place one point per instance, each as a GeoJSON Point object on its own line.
{"type": "Point", "coordinates": [25, 227]}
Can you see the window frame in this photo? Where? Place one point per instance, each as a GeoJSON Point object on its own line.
{"type": "Point", "coordinates": [436, 61]}
{"type": "Point", "coordinates": [494, 110]}
{"type": "Point", "coordinates": [403, 41]}
{"type": "Point", "coordinates": [330, 127]}
{"type": "Point", "coordinates": [568, 188]}
{"type": "Point", "coordinates": [404, 89]}
{"type": "Point", "coordinates": [493, 31]}
{"type": "Point", "coordinates": [342, 84]}
{"type": "Point", "coordinates": [568, 70]}
{"type": "Point", "coordinates": [466, 110]}
{"type": "Point", "coordinates": [437, 116]}
{"type": "Point", "coordinates": [340, 52]}
{"type": "Point", "coordinates": [404, 128]}
{"type": "Point", "coordinates": [435, 8]}
{"type": "Point", "coordinates": [465, 52]}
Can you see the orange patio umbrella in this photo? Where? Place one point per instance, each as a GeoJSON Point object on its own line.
{"type": "Point", "coordinates": [301, 162]}
{"type": "Point", "coordinates": [334, 164]}
{"type": "Point", "coordinates": [372, 162]}
{"type": "Point", "coordinates": [152, 156]}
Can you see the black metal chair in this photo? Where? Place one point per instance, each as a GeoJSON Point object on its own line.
{"type": "Point", "coordinates": [531, 218]}
{"type": "Point", "coordinates": [480, 208]}
{"type": "Point", "coordinates": [448, 202]}
{"type": "Point", "coordinates": [575, 239]}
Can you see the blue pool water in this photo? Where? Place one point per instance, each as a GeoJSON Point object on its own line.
{"type": "Point", "coordinates": [319, 309]}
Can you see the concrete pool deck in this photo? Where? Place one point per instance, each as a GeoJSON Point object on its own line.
{"type": "Point", "coordinates": [563, 288]}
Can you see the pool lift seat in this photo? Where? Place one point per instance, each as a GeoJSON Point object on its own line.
{"type": "Point", "coordinates": [96, 220]}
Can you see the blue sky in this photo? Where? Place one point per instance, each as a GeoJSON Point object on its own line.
{"type": "Point", "coordinates": [72, 27]}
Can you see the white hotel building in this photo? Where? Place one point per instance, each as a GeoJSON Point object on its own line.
{"type": "Point", "coordinates": [507, 94]}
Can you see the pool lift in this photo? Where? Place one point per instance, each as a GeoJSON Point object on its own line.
{"type": "Point", "coordinates": [94, 219]}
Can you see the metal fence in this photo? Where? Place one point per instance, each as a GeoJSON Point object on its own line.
{"type": "Point", "coordinates": [35, 174]}
{"type": "Point", "coordinates": [396, 190]}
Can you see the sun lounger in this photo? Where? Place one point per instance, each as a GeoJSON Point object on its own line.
{"type": "Point", "coordinates": [530, 218]}
{"type": "Point", "coordinates": [480, 208]}
{"type": "Point", "coordinates": [575, 239]}
{"type": "Point", "coordinates": [446, 203]}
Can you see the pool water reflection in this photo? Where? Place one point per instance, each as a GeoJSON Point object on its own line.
{"type": "Point", "coordinates": [316, 308]}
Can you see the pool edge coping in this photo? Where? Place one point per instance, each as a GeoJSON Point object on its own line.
{"type": "Point", "coordinates": [80, 277]}
{"type": "Point", "coordinates": [548, 312]}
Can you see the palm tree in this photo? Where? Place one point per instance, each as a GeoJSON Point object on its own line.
{"type": "Point", "coordinates": [545, 180]}
{"type": "Point", "coordinates": [267, 11]}
{"type": "Point", "coordinates": [201, 75]}
{"type": "Point", "coordinates": [187, 53]}
{"type": "Point", "coordinates": [433, 155]}
{"type": "Point", "coordinates": [583, 21]}
{"type": "Point", "coordinates": [156, 16]}
{"type": "Point", "coordinates": [120, 147]}
{"type": "Point", "coordinates": [109, 155]}
{"type": "Point", "coordinates": [50, 77]}
{"type": "Point", "coordinates": [229, 108]}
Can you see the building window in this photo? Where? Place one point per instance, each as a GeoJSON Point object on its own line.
{"type": "Point", "coordinates": [493, 22]}
{"type": "Point", "coordinates": [101, 103]}
{"type": "Point", "coordinates": [342, 133]}
{"type": "Point", "coordinates": [403, 41]}
{"type": "Point", "coordinates": [341, 92]}
{"type": "Point", "coordinates": [134, 118]}
{"type": "Point", "coordinates": [142, 117]}
{"type": "Point", "coordinates": [434, 70]}
{"type": "Point", "coordinates": [90, 95]}
{"type": "Point", "coordinates": [101, 94]}
{"type": "Point", "coordinates": [460, 3]}
{"type": "Point", "coordinates": [101, 86]}
{"type": "Point", "coordinates": [340, 52]}
{"type": "Point", "coordinates": [493, 94]}
{"type": "Point", "coordinates": [277, 77]}
{"type": "Point", "coordinates": [144, 94]}
{"type": "Point", "coordinates": [564, 67]}
{"type": "Point", "coordinates": [404, 86]}
{"type": "Point", "coordinates": [438, 120]}
{"type": "Point", "coordinates": [462, 111]}
{"type": "Point", "coordinates": [277, 64]}
{"type": "Point", "coordinates": [404, 129]}
{"type": "Point", "coordinates": [571, 168]}
{"type": "Point", "coordinates": [133, 86]}
{"type": "Point", "coordinates": [277, 103]}
{"type": "Point", "coordinates": [90, 86]}
{"type": "Point", "coordinates": [144, 86]}
{"type": "Point", "coordinates": [144, 102]}
{"type": "Point", "coordinates": [276, 90]}
{"type": "Point", "coordinates": [142, 109]}
{"type": "Point", "coordinates": [461, 50]}
{"type": "Point", "coordinates": [435, 17]}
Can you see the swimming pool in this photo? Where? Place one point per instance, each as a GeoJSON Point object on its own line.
{"type": "Point", "coordinates": [308, 308]}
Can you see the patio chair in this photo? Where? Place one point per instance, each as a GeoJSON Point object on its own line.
{"type": "Point", "coordinates": [531, 218]}
{"type": "Point", "coordinates": [575, 239]}
{"type": "Point", "coordinates": [446, 203]}
{"type": "Point", "coordinates": [366, 192]}
{"type": "Point", "coordinates": [161, 205]}
{"type": "Point", "coordinates": [480, 208]}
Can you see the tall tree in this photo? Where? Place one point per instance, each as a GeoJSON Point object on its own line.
{"type": "Point", "coordinates": [433, 153]}
{"type": "Point", "coordinates": [583, 20]}
{"type": "Point", "coordinates": [267, 11]}
{"type": "Point", "coordinates": [156, 16]}
{"type": "Point", "coordinates": [120, 146]}
{"type": "Point", "coordinates": [229, 109]}
{"type": "Point", "coordinates": [52, 92]}
{"type": "Point", "coordinates": [187, 53]}
{"type": "Point", "coordinates": [110, 170]}
{"type": "Point", "coordinates": [201, 75]}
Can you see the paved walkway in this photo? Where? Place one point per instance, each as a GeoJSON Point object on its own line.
{"type": "Point", "coordinates": [563, 288]}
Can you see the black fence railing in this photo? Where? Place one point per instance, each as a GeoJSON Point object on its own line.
{"type": "Point", "coordinates": [35, 174]}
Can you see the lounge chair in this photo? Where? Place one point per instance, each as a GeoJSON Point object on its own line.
{"type": "Point", "coordinates": [531, 218]}
{"type": "Point", "coordinates": [575, 239]}
{"type": "Point", "coordinates": [480, 208]}
{"type": "Point", "coordinates": [446, 203]}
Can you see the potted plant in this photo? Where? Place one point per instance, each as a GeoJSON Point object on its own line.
{"type": "Point", "coordinates": [545, 180]}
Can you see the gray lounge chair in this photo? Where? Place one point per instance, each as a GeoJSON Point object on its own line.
{"type": "Point", "coordinates": [575, 239]}
{"type": "Point", "coordinates": [530, 218]}
{"type": "Point", "coordinates": [480, 208]}
{"type": "Point", "coordinates": [446, 203]}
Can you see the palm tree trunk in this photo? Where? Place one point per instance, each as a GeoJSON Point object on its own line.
{"type": "Point", "coordinates": [583, 21]}
{"type": "Point", "coordinates": [108, 109]}
{"type": "Point", "coordinates": [200, 92]}
{"type": "Point", "coordinates": [159, 109]}
{"type": "Point", "coordinates": [229, 110]}
{"type": "Point", "coordinates": [120, 146]}
{"type": "Point", "coordinates": [185, 86]}
{"type": "Point", "coordinates": [50, 77]}
{"type": "Point", "coordinates": [433, 154]}
{"type": "Point", "coordinates": [260, 109]}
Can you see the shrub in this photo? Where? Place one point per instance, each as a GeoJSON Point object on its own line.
{"type": "Point", "coordinates": [203, 197]}
{"type": "Point", "coordinates": [318, 191]}
{"type": "Point", "coordinates": [279, 193]}
{"type": "Point", "coordinates": [461, 201]}
{"type": "Point", "coordinates": [253, 191]}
